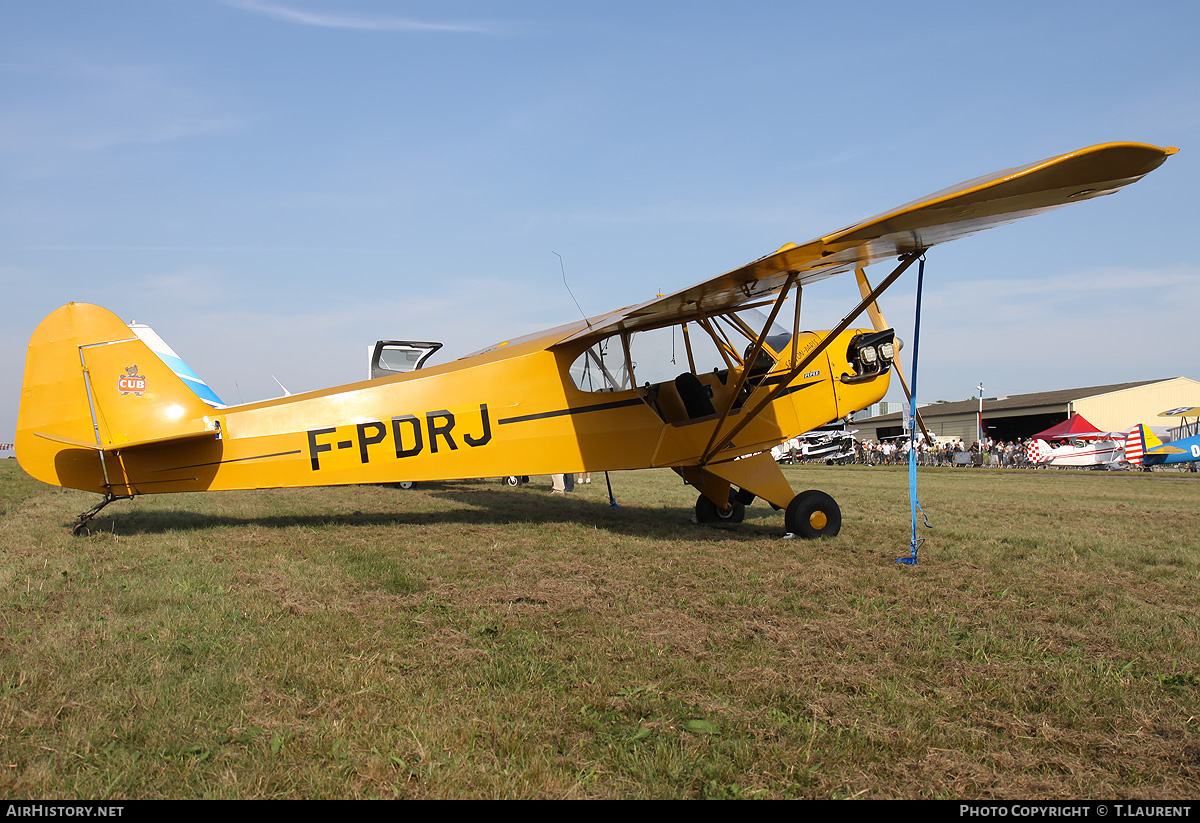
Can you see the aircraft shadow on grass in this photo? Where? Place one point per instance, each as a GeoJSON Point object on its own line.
{"type": "Point", "coordinates": [478, 506]}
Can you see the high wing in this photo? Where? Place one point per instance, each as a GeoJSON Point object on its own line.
{"type": "Point", "coordinates": [946, 215]}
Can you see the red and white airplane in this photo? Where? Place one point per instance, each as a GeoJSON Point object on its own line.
{"type": "Point", "coordinates": [1106, 451]}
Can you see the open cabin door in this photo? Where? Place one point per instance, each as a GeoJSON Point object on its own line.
{"type": "Point", "coordinates": [389, 357]}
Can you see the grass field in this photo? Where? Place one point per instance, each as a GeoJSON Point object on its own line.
{"type": "Point", "coordinates": [468, 640]}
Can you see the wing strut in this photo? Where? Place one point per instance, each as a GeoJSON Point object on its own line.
{"type": "Point", "coordinates": [906, 260]}
{"type": "Point", "coordinates": [880, 323]}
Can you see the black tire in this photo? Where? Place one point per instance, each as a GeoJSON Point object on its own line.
{"type": "Point", "coordinates": [511, 480]}
{"type": "Point", "coordinates": [813, 514]}
{"type": "Point", "coordinates": [708, 513]}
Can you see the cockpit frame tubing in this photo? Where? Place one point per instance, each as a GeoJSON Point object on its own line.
{"type": "Point", "coordinates": [628, 360]}
{"type": "Point", "coordinates": [906, 261]}
{"type": "Point", "coordinates": [599, 361]}
{"type": "Point", "coordinates": [751, 356]}
{"type": "Point", "coordinates": [741, 325]}
{"type": "Point", "coordinates": [796, 323]}
{"type": "Point", "coordinates": [718, 340]}
{"type": "Point", "coordinates": [687, 344]}
{"type": "Point", "coordinates": [716, 321]}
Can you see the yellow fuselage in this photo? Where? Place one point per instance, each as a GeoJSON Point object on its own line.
{"type": "Point", "coordinates": [512, 410]}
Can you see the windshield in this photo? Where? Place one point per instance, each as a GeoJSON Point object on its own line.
{"type": "Point", "coordinates": [778, 337]}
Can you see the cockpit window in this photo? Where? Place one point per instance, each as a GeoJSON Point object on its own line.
{"type": "Point", "coordinates": [661, 355]}
{"type": "Point", "coordinates": [601, 367]}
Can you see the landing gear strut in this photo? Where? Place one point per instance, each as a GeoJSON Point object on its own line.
{"type": "Point", "coordinates": [81, 526]}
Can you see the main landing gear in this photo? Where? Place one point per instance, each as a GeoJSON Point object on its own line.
{"type": "Point", "coordinates": [708, 513]}
{"type": "Point", "coordinates": [811, 514]}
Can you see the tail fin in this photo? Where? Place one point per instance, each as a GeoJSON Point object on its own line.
{"type": "Point", "coordinates": [91, 387]}
{"type": "Point", "coordinates": [1151, 441]}
{"type": "Point", "coordinates": [1039, 451]}
{"type": "Point", "coordinates": [1139, 441]}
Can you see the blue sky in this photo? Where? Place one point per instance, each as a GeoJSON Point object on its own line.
{"type": "Point", "coordinates": [274, 185]}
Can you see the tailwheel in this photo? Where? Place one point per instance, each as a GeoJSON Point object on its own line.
{"type": "Point", "coordinates": [813, 514]}
{"type": "Point", "coordinates": [81, 527]}
{"type": "Point", "coordinates": [709, 514]}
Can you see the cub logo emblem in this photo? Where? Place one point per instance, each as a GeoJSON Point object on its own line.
{"type": "Point", "coordinates": [131, 382]}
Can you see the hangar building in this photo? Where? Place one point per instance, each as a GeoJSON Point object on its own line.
{"type": "Point", "coordinates": [1118, 407]}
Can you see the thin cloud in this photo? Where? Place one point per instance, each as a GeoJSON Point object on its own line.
{"type": "Point", "coordinates": [234, 249]}
{"type": "Point", "coordinates": [164, 132]}
{"type": "Point", "coordinates": [354, 21]}
{"type": "Point", "coordinates": [88, 109]}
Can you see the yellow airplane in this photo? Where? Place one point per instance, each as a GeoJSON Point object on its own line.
{"type": "Point", "coordinates": [700, 381]}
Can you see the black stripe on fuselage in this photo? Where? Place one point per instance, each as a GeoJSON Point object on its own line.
{"type": "Point", "coordinates": [801, 386]}
{"type": "Point", "coordinates": [234, 460]}
{"type": "Point", "coordinates": [615, 404]}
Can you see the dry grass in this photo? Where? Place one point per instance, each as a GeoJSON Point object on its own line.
{"type": "Point", "coordinates": [466, 640]}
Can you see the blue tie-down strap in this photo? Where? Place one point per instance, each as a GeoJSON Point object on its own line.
{"type": "Point", "coordinates": [913, 503]}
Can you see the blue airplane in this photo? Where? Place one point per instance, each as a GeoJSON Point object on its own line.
{"type": "Point", "coordinates": [1185, 449]}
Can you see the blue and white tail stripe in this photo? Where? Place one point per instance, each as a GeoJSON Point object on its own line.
{"type": "Point", "coordinates": [182, 370]}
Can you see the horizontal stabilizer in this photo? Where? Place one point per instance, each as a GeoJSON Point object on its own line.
{"type": "Point", "coordinates": [1166, 450]}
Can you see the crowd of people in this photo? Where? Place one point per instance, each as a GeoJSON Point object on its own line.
{"type": "Point", "coordinates": [997, 453]}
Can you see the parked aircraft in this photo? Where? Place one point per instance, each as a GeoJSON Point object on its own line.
{"type": "Point", "coordinates": [1106, 451]}
{"type": "Point", "coordinates": [102, 411]}
{"type": "Point", "coordinates": [829, 445]}
{"type": "Point", "coordinates": [1184, 449]}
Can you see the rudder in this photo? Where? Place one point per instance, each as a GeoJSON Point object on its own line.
{"type": "Point", "coordinates": [1137, 442]}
